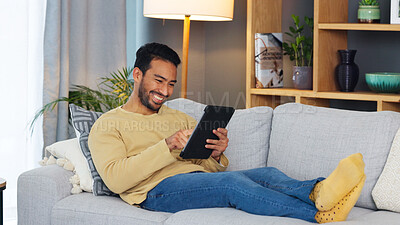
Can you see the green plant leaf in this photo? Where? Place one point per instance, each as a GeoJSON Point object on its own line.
{"type": "Point", "coordinates": [300, 29]}
{"type": "Point", "coordinates": [296, 20]}
{"type": "Point", "coordinates": [300, 48]}
{"type": "Point", "coordinates": [289, 34]}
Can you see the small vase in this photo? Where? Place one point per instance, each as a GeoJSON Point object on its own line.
{"type": "Point", "coordinates": [303, 77]}
{"type": "Point", "coordinates": [369, 14]}
{"type": "Point", "coordinates": [347, 71]}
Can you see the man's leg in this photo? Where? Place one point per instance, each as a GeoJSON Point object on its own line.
{"type": "Point", "coordinates": [326, 194]}
{"type": "Point", "coordinates": [276, 180]}
{"type": "Point", "coordinates": [225, 189]}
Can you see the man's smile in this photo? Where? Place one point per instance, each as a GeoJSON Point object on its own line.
{"type": "Point", "coordinates": [158, 98]}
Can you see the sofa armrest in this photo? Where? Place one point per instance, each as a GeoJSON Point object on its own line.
{"type": "Point", "coordinates": [39, 190]}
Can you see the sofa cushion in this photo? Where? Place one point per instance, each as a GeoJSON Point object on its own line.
{"type": "Point", "coordinates": [85, 208]}
{"type": "Point", "coordinates": [230, 216]}
{"type": "Point", "coordinates": [386, 192]}
{"type": "Point", "coordinates": [70, 150]}
{"type": "Point", "coordinates": [82, 121]}
{"type": "Point", "coordinates": [248, 133]}
{"type": "Point", "coordinates": [308, 142]}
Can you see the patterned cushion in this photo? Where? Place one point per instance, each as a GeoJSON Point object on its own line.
{"type": "Point", "coordinates": [82, 121]}
{"type": "Point", "coordinates": [386, 192]}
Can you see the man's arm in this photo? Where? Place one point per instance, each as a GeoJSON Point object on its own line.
{"type": "Point", "coordinates": [119, 171]}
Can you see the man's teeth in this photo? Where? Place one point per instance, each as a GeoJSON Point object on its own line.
{"type": "Point", "coordinates": [158, 98]}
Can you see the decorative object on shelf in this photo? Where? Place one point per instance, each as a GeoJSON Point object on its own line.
{"type": "Point", "coordinates": [300, 50]}
{"type": "Point", "coordinates": [383, 82]}
{"type": "Point", "coordinates": [395, 12]}
{"type": "Point", "coordinates": [268, 60]}
{"type": "Point", "coordinates": [302, 77]}
{"type": "Point", "coordinates": [347, 71]}
{"type": "Point", "coordinates": [369, 11]}
{"type": "Point", "coordinates": [187, 10]}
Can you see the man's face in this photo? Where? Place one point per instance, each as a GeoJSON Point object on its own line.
{"type": "Point", "coordinates": [157, 84]}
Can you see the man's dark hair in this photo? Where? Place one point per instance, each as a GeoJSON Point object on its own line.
{"type": "Point", "coordinates": [150, 51]}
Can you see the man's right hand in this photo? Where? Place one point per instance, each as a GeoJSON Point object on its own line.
{"type": "Point", "coordinates": [179, 139]}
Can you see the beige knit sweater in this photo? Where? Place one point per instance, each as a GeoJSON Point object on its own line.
{"type": "Point", "coordinates": [131, 155]}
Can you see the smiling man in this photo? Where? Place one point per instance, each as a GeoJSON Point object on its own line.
{"type": "Point", "coordinates": [136, 147]}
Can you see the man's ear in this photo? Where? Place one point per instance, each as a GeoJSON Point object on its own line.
{"type": "Point", "coordinates": [137, 75]}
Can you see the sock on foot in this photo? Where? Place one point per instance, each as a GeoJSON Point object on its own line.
{"type": "Point", "coordinates": [341, 181]}
{"type": "Point", "coordinates": [342, 209]}
{"type": "Point", "coordinates": [315, 191]}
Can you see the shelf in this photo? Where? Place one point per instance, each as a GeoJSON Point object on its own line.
{"type": "Point", "coordinates": [281, 91]}
{"type": "Point", "coordinates": [359, 26]}
{"type": "Point", "coordinates": [359, 96]}
{"type": "Point", "coordinates": [330, 34]}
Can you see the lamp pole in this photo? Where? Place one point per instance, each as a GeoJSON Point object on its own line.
{"type": "Point", "coordinates": [185, 53]}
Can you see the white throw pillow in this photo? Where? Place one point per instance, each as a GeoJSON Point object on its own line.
{"type": "Point", "coordinates": [70, 150]}
{"type": "Point", "coordinates": [386, 192]}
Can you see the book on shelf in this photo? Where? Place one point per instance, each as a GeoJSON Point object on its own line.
{"type": "Point", "coordinates": [268, 60]}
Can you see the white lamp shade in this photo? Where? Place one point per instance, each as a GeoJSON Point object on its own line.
{"type": "Point", "coordinates": [206, 10]}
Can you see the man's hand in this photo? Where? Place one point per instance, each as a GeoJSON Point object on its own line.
{"type": "Point", "coordinates": [218, 146]}
{"type": "Point", "coordinates": [179, 139]}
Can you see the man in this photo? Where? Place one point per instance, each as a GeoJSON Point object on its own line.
{"type": "Point", "coordinates": [136, 149]}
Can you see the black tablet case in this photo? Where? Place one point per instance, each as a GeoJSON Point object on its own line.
{"type": "Point", "coordinates": [214, 117]}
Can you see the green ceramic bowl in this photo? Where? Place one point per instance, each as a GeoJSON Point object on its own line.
{"type": "Point", "coordinates": [383, 82]}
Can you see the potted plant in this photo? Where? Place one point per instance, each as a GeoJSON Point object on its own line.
{"type": "Point", "coordinates": [111, 92]}
{"type": "Point", "coordinates": [300, 50]}
{"type": "Point", "coordinates": [369, 11]}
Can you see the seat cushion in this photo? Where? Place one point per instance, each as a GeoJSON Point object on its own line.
{"type": "Point", "coordinates": [248, 133]}
{"type": "Point", "coordinates": [85, 208]}
{"type": "Point", "coordinates": [230, 216]}
{"type": "Point", "coordinates": [308, 142]}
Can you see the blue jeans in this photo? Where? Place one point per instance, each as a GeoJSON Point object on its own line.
{"type": "Point", "coordinates": [262, 191]}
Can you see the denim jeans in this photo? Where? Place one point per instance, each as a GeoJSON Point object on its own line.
{"type": "Point", "coordinates": [261, 191]}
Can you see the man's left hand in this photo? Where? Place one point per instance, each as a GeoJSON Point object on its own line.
{"type": "Point", "coordinates": [218, 146]}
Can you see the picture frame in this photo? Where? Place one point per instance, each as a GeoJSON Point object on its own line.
{"type": "Point", "coordinates": [395, 12]}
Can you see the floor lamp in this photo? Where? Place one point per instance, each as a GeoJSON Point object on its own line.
{"type": "Point", "coordinates": [203, 10]}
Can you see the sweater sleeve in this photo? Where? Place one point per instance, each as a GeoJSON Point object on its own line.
{"type": "Point", "coordinates": [212, 165]}
{"type": "Point", "coordinates": [119, 171]}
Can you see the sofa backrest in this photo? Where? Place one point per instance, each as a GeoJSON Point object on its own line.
{"type": "Point", "coordinates": [308, 142]}
{"type": "Point", "coordinates": [248, 133]}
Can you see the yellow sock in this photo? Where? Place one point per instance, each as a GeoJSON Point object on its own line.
{"type": "Point", "coordinates": [344, 178]}
{"type": "Point", "coordinates": [342, 209]}
{"type": "Point", "coordinates": [315, 191]}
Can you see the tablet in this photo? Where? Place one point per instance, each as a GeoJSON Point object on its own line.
{"type": "Point", "coordinates": [214, 117]}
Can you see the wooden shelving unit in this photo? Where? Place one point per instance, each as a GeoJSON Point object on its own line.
{"type": "Point", "coordinates": [330, 34]}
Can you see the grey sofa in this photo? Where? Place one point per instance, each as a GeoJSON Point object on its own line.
{"type": "Point", "coordinates": [303, 141]}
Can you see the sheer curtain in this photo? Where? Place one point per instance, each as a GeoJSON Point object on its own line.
{"type": "Point", "coordinates": [84, 40]}
{"type": "Point", "coordinates": [21, 82]}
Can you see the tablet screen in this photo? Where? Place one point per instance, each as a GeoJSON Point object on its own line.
{"type": "Point", "coordinates": [214, 117]}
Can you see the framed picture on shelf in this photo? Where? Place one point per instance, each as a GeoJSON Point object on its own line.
{"type": "Point", "coordinates": [395, 12]}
